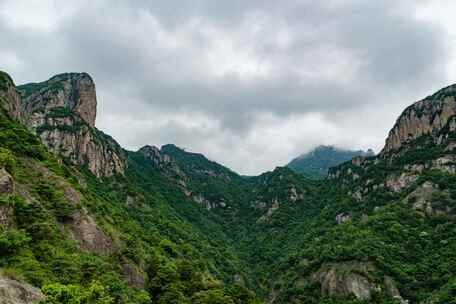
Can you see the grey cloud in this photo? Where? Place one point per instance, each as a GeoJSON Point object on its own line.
{"type": "Point", "coordinates": [162, 58]}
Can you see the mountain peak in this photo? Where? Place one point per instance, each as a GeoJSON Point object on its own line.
{"type": "Point", "coordinates": [172, 147]}
{"type": "Point", "coordinates": [317, 162]}
{"type": "Point", "coordinates": [62, 112]}
{"type": "Point", "coordinates": [5, 79]}
{"type": "Point", "coordinates": [424, 117]}
{"type": "Point", "coordinates": [73, 91]}
{"type": "Point", "coordinates": [70, 76]}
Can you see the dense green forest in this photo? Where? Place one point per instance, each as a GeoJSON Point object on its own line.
{"type": "Point", "coordinates": [172, 226]}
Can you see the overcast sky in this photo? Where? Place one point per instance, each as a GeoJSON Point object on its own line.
{"type": "Point", "coordinates": [250, 84]}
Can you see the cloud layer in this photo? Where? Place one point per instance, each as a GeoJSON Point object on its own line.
{"type": "Point", "coordinates": [250, 84]}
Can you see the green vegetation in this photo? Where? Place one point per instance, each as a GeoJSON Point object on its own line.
{"type": "Point", "coordinates": [30, 88]}
{"type": "Point", "coordinates": [5, 81]}
{"type": "Point", "coordinates": [178, 261]}
{"type": "Point", "coordinates": [59, 112]}
{"type": "Point", "coordinates": [189, 230]}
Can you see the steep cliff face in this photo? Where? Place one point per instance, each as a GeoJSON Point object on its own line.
{"type": "Point", "coordinates": [62, 112]}
{"type": "Point", "coordinates": [423, 117]}
{"type": "Point", "coordinates": [10, 99]}
{"type": "Point", "coordinates": [74, 92]}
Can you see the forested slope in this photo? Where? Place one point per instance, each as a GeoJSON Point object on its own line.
{"type": "Point", "coordinates": [83, 220]}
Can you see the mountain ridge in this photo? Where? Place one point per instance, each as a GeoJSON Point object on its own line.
{"type": "Point", "coordinates": [171, 226]}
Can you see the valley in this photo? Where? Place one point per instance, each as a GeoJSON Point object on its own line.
{"type": "Point", "coordinates": [83, 220]}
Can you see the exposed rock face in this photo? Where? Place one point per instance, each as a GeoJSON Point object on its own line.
{"type": "Point", "coordinates": [423, 117]}
{"type": "Point", "coordinates": [275, 205]}
{"type": "Point", "coordinates": [391, 289]}
{"type": "Point", "coordinates": [6, 215]}
{"type": "Point", "coordinates": [154, 154]}
{"type": "Point", "coordinates": [10, 99]}
{"type": "Point", "coordinates": [89, 236]}
{"type": "Point", "coordinates": [397, 183]}
{"type": "Point", "coordinates": [6, 182]}
{"type": "Point", "coordinates": [345, 282]}
{"type": "Point", "coordinates": [353, 279]}
{"type": "Point", "coordinates": [103, 157]}
{"type": "Point", "coordinates": [135, 276]}
{"type": "Point", "coordinates": [6, 186]}
{"type": "Point", "coordinates": [62, 112]}
{"type": "Point", "coordinates": [167, 166]}
{"type": "Point", "coordinates": [74, 91]}
{"type": "Point", "coordinates": [14, 292]}
{"type": "Point", "coordinates": [422, 199]}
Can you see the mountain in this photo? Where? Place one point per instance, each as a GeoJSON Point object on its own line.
{"type": "Point", "coordinates": [86, 221]}
{"type": "Point", "coordinates": [83, 220]}
{"type": "Point", "coordinates": [317, 162]}
{"type": "Point", "coordinates": [62, 111]}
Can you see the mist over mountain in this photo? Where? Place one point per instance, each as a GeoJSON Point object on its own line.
{"type": "Point", "coordinates": [317, 162]}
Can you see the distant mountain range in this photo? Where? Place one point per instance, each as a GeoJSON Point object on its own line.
{"type": "Point", "coordinates": [317, 162]}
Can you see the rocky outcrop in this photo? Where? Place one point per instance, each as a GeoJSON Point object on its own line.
{"type": "Point", "coordinates": [90, 237]}
{"type": "Point", "coordinates": [6, 182]}
{"type": "Point", "coordinates": [6, 217]}
{"type": "Point", "coordinates": [154, 154]}
{"type": "Point", "coordinates": [10, 99]}
{"type": "Point", "coordinates": [6, 187]}
{"type": "Point", "coordinates": [103, 157]}
{"type": "Point", "coordinates": [163, 162]}
{"type": "Point", "coordinates": [267, 216]}
{"type": "Point", "coordinates": [169, 168]}
{"type": "Point", "coordinates": [135, 276]}
{"type": "Point", "coordinates": [72, 91]}
{"type": "Point", "coordinates": [15, 292]}
{"type": "Point", "coordinates": [398, 183]}
{"type": "Point", "coordinates": [353, 279]}
{"type": "Point", "coordinates": [423, 117]}
{"type": "Point", "coordinates": [428, 198]}
{"type": "Point", "coordinates": [62, 112]}
{"type": "Point", "coordinates": [343, 281]}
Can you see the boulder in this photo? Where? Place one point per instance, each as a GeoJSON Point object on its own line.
{"type": "Point", "coordinates": [15, 292]}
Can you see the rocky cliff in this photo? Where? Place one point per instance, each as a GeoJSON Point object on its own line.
{"type": "Point", "coordinates": [9, 97]}
{"type": "Point", "coordinates": [62, 112]}
{"type": "Point", "coordinates": [74, 92]}
{"type": "Point", "coordinates": [427, 116]}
